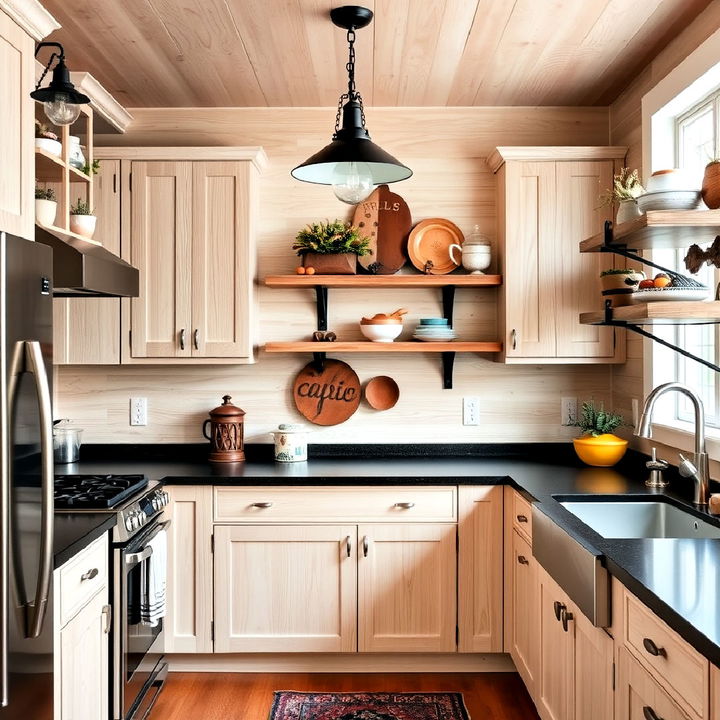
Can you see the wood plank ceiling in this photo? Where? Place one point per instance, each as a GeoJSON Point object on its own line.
{"type": "Point", "coordinates": [227, 53]}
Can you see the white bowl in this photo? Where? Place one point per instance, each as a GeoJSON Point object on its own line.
{"type": "Point", "coordinates": [670, 200]}
{"type": "Point", "coordinates": [381, 333]}
{"type": "Point", "coordinates": [53, 147]}
{"type": "Point", "coordinates": [671, 180]}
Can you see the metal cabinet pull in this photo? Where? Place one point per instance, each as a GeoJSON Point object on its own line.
{"type": "Point", "coordinates": [558, 608]}
{"type": "Point", "coordinates": [89, 575]}
{"type": "Point", "coordinates": [566, 618]}
{"type": "Point", "coordinates": [107, 615]}
{"type": "Point", "coordinates": [405, 505]}
{"type": "Point", "coordinates": [523, 560]}
{"type": "Point", "coordinates": [196, 339]}
{"type": "Point", "coordinates": [513, 339]}
{"type": "Point", "coordinates": [182, 339]}
{"type": "Point", "coordinates": [653, 649]}
{"type": "Point", "coordinates": [650, 714]}
{"type": "Point", "coordinates": [348, 546]}
{"type": "Point", "coordinates": [521, 518]}
{"type": "Point", "coordinates": [366, 546]}
{"type": "Point", "coordinates": [263, 505]}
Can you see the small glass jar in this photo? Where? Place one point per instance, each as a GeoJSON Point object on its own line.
{"type": "Point", "coordinates": [290, 443]}
{"type": "Point", "coordinates": [75, 153]}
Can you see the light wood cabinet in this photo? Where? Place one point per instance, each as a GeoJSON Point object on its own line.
{"type": "Point", "coordinates": [548, 200]}
{"type": "Point", "coordinates": [17, 174]}
{"type": "Point", "coordinates": [285, 588]}
{"type": "Point", "coordinates": [714, 692]}
{"type": "Point", "coordinates": [480, 568]}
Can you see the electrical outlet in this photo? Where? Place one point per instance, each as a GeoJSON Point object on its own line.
{"type": "Point", "coordinates": [568, 411]}
{"type": "Point", "coordinates": [138, 411]}
{"type": "Point", "coordinates": [471, 411]}
{"type": "Point", "coordinates": [635, 412]}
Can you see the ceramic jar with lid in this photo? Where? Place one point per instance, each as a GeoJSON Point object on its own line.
{"type": "Point", "coordinates": [75, 153]}
{"type": "Point", "coordinates": [290, 443]}
{"type": "Point", "coordinates": [476, 252]}
{"type": "Point", "coordinates": [226, 434]}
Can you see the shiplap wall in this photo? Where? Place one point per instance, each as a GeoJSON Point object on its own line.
{"type": "Point", "coordinates": [626, 129]}
{"type": "Point", "coordinates": [446, 148]}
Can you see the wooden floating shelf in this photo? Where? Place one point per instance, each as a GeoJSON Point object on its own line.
{"type": "Point", "coordinates": [660, 229]}
{"type": "Point", "coordinates": [68, 236]}
{"type": "Point", "coordinates": [77, 175]}
{"type": "Point", "coordinates": [365, 346]}
{"type": "Point", "coordinates": [659, 313]}
{"type": "Point", "coordinates": [382, 281]}
{"type": "Point", "coordinates": [48, 167]}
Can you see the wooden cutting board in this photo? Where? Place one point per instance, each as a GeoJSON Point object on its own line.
{"type": "Point", "coordinates": [385, 218]}
{"type": "Point", "coordinates": [328, 396]}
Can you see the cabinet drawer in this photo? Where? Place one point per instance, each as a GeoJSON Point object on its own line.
{"type": "Point", "coordinates": [80, 578]}
{"type": "Point", "coordinates": [679, 668]}
{"type": "Point", "coordinates": [522, 515]}
{"type": "Point", "coordinates": [347, 504]}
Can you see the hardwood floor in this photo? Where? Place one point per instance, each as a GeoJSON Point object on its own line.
{"type": "Point", "coordinates": [232, 696]}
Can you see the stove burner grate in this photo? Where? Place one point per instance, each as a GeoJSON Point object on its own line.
{"type": "Point", "coordinates": [100, 492]}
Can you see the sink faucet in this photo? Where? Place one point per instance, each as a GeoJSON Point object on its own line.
{"type": "Point", "coordinates": [698, 469]}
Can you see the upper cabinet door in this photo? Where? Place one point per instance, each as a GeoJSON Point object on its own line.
{"type": "Point", "coordinates": [161, 227]}
{"type": "Point", "coordinates": [529, 259]}
{"type": "Point", "coordinates": [221, 259]}
{"type": "Point", "coordinates": [579, 215]}
{"type": "Point", "coordinates": [17, 174]}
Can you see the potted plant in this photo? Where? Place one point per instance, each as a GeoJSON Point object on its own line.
{"type": "Point", "coordinates": [45, 206]}
{"type": "Point", "coordinates": [711, 184]}
{"type": "Point", "coordinates": [91, 169]}
{"type": "Point", "coordinates": [625, 190]}
{"type": "Point", "coordinates": [330, 248]}
{"type": "Point", "coordinates": [618, 284]}
{"type": "Point", "coordinates": [82, 220]}
{"type": "Point", "coordinates": [47, 140]}
{"type": "Point", "coordinates": [598, 446]}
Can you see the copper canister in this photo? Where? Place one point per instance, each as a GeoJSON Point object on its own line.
{"type": "Point", "coordinates": [226, 434]}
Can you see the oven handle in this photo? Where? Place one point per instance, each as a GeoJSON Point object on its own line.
{"type": "Point", "coordinates": [137, 557]}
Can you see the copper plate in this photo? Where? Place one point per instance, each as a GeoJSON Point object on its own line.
{"type": "Point", "coordinates": [430, 240]}
{"type": "Point", "coordinates": [382, 392]}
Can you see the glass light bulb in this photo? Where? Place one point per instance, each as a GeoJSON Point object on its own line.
{"type": "Point", "coordinates": [61, 111]}
{"type": "Point", "coordinates": [352, 182]}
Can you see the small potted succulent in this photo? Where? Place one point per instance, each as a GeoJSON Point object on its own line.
{"type": "Point", "coordinates": [711, 184]}
{"type": "Point", "coordinates": [330, 248]}
{"type": "Point", "coordinates": [597, 445]}
{"type": "Point", "coordinates": [45, 206]}
{"type": "Point", "coordinates": [47, 140]}
{"type": "Point", "coordinates": [619, 283]}
{"type": "Point", "coordinates": [82, 219]}
{"type": "Point", "coordinates": [624, 192]}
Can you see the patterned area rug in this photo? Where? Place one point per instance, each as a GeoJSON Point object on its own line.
{"type": "Point", "coordinates": [368, 706]}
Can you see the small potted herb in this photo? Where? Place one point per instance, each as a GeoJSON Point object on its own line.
{"type": "Point", "coordinates": [47, 140]}
{"type": "Point", "coordinates": [94, 168]}
{"type": "Point", "coordinates": [82, 220]}
{"type": "Point", "coordinates": [619, 283]}
{"type": "Point", "coordinates": [330, 248]}
{"type": "Point", "coordinates": [45, 206]}
{"type": "Point", "coordinates": [711, 184]}
{"type": "Point", "coordinates": [597, 445]}
{"type": "Point", "coordinates": [624, 193]}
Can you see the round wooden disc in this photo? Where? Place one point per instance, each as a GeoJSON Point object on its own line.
{"type": "Point", "coordinates": [382, 393]}
{"type": "Point", "coordinates": [329, 397]}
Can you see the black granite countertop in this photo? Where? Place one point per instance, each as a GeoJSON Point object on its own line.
{"type": "Point", "coordinates": [75, 531]}
{"type": "Point", "coordinates": [678, 579]}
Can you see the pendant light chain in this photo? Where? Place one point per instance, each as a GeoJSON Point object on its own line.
{"type": "Point", "coordinates": [352, 93]}
{"type": "Point", "coordinates": [47, 69]}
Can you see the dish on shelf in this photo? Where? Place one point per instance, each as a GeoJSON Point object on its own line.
{"type": "Point", "coordinates": [429, 246]}
{"type": "Point", "coordinates": [50, 146]}
{"type": "Point", "coordinates": [669, 293]}
{"type": "Point", "coordinates": [426, 322]}
{"type": "Point", "coordinates": [669, 200]}
{"type": "Point", "coordinates": [670, 180]}
{"type": "Point", "coordinates": [394, 318]}
{"type": "Point", "coordinates": [435, 338]}
{"type": "Point", "coordinates": [384, 333]}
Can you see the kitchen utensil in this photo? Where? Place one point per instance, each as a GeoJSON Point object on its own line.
{"type": "Point", "coordinates": [668, 293]}
{"type": "Point", "coordinates": [670, 200]}
{"type": "Point", "coordinates": [475, 252]}
{"type": "Point", "coordinates": [382, 392]}
{"type": "Point", "coordinates": [328, 394]}
{"type": "Point", "coordinates": [394, 318]}
{"type": "Point", "coordinates": [66, 442]}
{"type": "Point", "coordinates": [429, 246]}
{"type": "Point", "coordinates": [290, 443]}
{"type": "Point", "coordinates": [226, 432]}
{"type": "Point", "coordinates": [384, 333]}
{"type": "Point", "coordinates": [385, 219]}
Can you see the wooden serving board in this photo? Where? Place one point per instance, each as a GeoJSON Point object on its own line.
{"type": "Point", "coordinates": [385, 218]}
{"type": "Point", "coordinates": [327, 397]}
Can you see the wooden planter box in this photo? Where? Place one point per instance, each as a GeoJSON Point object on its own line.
{"type": "Point", "coordinates": [339, 264]}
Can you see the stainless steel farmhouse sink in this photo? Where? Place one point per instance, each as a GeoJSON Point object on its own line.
{"type": "Point", "coordinates": [640, 519]}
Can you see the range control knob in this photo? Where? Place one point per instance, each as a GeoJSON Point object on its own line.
{"type": "Point", "coordinates": [165, 498]}
{"type": "Point", "coordinates": [142, 517]}
{"type": "Point", "coordinates": [129, 523]}
{"type": "Point", "coordinates": [132, 522]}
{"type": "Point", "coordinates": [155, 502]}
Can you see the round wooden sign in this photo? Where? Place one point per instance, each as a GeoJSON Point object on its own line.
{"type": "Point", "coordinates": [327, 397]}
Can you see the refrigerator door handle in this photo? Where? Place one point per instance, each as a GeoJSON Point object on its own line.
{"type": "Point", "coordinates": [34, 364]}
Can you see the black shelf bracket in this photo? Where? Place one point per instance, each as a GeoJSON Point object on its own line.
{"type": "Point", "coordinates": [321, 300]}
{"type": "Point", "coordinates": [448, 360]}
{"type": "Point", "coordinates": [448, 302]}
{"type": "Point", "coordinates": [319, 361]}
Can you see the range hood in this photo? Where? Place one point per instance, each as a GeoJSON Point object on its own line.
{"type": "Point", "coordinates": [86, 269]}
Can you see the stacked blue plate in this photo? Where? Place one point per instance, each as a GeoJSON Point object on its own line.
{"type": "Point", "coordinates": [434, 330]}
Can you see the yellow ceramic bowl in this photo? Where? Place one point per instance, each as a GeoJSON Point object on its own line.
{"type": "Point", "coordinates": [601, 451]}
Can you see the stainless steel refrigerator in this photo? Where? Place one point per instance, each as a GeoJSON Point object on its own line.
{"type": "Point", "coordinates": [26, 489]}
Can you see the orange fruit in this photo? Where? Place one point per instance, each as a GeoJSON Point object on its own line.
{"type": "Point", "coordinates": [300, 270]}
{"type": "Point", "coordinates": [309, 270]}
{"type": "Point", "coordinates": [661, 281]}
{"type": "Point", "coordinates": [645, 284]}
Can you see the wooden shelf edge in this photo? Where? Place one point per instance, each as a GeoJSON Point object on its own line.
{"type": "Point", "coordinates": [371, 347]}
{"type": "Point", "coordinates": [67, 235]}
{"type": "Point", "coordinates": [78, 175]}
{"type": "Point", "coordinates": [387, 281]}
{"type": "Point", "coordinates": [671, 312]}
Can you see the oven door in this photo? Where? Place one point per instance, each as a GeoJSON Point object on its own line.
{"type": "Point", "coordinates": [138, 644]}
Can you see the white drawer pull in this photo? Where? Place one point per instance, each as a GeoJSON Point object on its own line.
{"type": "Point", "coordinates": [405, 505]}
{"type": "Point", "coordinates": [263, 505]}
{"type": "Point", "coordinates": [89, 575]}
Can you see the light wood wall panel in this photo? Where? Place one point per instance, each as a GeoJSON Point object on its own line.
{"type": "Point", "coordinates": [446, 148]}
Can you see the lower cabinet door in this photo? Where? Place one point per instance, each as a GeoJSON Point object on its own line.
{"type": "Point", "coordinates": [407, 588]}
{"type": "Point", "coordinates": [638, 695]}
{"type": "Point", "coordinates": [285, 588]}
{"type": "Point", "coordinates": [593, 695]}
{"type": "Point", "coordinates": [84, 676]}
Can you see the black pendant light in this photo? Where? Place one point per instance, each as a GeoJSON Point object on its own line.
{"type": "Point", "coordinates": [352, 163]}
{"type": "Point", "coordinates": [60, 99]}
